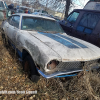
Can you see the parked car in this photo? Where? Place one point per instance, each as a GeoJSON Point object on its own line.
{"type": "Point", "coordinates": [45, 49]}
{"type": "Point", "coordinates": [3, 10]}
{"type": "Point", "coordinates": [40, 11]}
{"type": "Point", "coordinates": [24, 7]}
{"type": "Point", "coordinates": [6, 11]}
{"type": "Point", "coordinates": [19, 11]}
{"type": "Point", "coordinates": [41, 14]}
{"type": "Point", "coordinates": [84, 23]}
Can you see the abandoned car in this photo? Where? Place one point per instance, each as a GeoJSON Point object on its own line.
{"type": "Point", "coordinates": [84, 23]}
{"type": "Point", "coordinates": [45, 49]}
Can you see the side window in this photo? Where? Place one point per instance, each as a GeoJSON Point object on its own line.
{"type": "Point", "coordinates": [88, 22]}
{"type": "Point", "coordinates": [16, 20]}
{"type": "Point", "coordinates": [72, 17]}
{"type": "Point", "coordinates": [10, 20]}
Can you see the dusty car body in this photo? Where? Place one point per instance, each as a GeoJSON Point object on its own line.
{"type": "Point", "coordinates": [84, 23]}
{"type": "Point", "coordinates": [54, 53]}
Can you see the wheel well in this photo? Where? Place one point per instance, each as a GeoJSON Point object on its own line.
{"type": "Point", "coordinates": [24, 54]}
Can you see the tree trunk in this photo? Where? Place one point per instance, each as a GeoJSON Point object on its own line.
{"type": "Point", "coordinates": [67, 7]}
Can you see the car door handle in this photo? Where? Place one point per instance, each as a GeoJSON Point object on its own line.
{"type": "Point", "coordinates": [7, 26]}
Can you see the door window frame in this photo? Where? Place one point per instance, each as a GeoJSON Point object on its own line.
{"type": "Point", "coordinates": [68, 18]}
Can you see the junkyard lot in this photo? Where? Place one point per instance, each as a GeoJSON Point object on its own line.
{"type": "Point", "coordinates": [13, 78]}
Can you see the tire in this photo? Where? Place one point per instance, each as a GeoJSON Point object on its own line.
{"type": "Point", "coordinates": [30, 68]}
{"type": "Point", "coordinates": [5, 41]}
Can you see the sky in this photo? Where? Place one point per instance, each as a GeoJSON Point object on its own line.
{"type": "Point", "coordinates": [78, 4]}
{"type": "Point", "coordinates": [81, 2]}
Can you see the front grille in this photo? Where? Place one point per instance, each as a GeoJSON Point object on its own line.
{"type": "Point", "coordinates": [69, 65]}
{"type": "Point", "coordinates": [75, 65]}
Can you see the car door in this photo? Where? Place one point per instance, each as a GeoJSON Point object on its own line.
{"type": "Point", "coordinates": [69, 22]}
{"type": "Point", "coordinates": [13, 28]}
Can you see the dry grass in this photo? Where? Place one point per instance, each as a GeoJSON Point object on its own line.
{"type": "Point", "coordinates": [85, 87]}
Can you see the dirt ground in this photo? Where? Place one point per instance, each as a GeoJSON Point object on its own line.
{"type": "Point", "coordinates": [85, 86]}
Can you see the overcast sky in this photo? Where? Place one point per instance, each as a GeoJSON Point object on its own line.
{"type": "Point", "coordinates": [78, 4]}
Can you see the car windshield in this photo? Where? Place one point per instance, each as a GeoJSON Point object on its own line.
{"type": "Point", "coordinates": [40, 24]}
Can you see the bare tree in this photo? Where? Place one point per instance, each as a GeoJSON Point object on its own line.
{"type": "Point", "coordinates": [67, 7]}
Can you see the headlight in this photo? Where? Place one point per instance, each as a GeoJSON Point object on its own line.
{"type": "Point", "coordinates": [52, 64]}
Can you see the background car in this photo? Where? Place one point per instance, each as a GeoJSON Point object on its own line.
{"type": "Point", "coordinates": [40, 11]}
{"type": "Point", "coordinates": [45, 49]}
{"type": "Point", "coordinates": [84, 24]}
{"type": "Point", "coordinates": [24, 7]}
{"type": "Point", "coordinates": [3, 10]}
{"type": "Point", "coordinates": [41, 14]}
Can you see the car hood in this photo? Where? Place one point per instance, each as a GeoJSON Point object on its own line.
{"type": "Point", "coordinates": [67, 47]}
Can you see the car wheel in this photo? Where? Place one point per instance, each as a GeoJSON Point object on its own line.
{"type": "Point", "coordinates": [4, 39]}
{"type": "Point", "coordinates": [30, 68]}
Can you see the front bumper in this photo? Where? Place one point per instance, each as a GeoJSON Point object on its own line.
{"type": "Point", "coordinates": [64, 74]}
{"type": "Point", "coordinates": [59, 74]}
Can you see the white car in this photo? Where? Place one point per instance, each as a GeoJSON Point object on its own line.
{"type": "Point", "coordinates": [45, 49]}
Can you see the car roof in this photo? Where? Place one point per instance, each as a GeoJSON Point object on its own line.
{"type": "Point", "coordinates": [87, 10]}
{"type": "Point", "coordinates": [31, 15]}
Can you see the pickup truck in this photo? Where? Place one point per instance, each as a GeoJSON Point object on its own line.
{"type": "Point", "coordinates": [84, 23]}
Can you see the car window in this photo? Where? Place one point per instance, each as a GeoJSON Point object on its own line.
{"type": "Point", "coordinates": [16, 20]}
{"type": "Point", "coordinates": [41, 24]}
{"type": "Point", "coordinates": [10, 20]}
{"type": "Point", "coordinates": [1, 4]}
{"type": "Point", "coordinates": [72, 17]}
{"type": "Point", "coordinates": [88, 22]}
